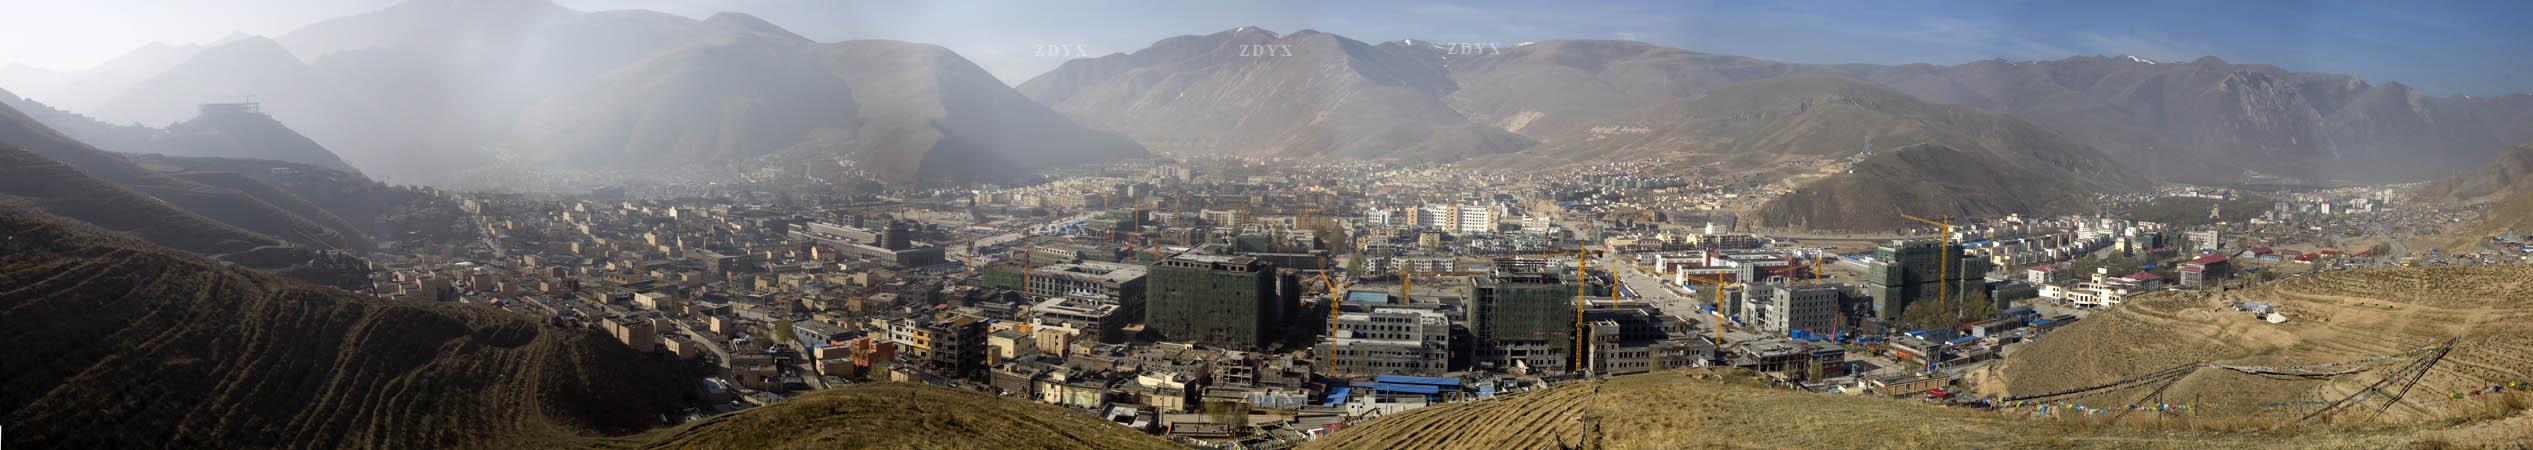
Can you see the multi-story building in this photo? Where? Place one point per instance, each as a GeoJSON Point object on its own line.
{"type": "Point", "coordinates": [641, 333]}
{"type": "Point", "coordinates": [1778, 308]}
{"type": "Point", "coordinates": [1220, 218]}
{"type": "Point", "coordinates": [1390, 341]}
{"type": "Point", "coordinates": [1216, 300]}
{"type": "Point", "coordinates": [2204, 269]}
{"type": "Point", "coordinates": [894, 243]}
{"type": "Point", "coordinates": [1523, 319]}
{"type": "Point", "coordinates": [1476, 218]}
{"type": "Point", "coordinates": [1105, 282]}
{"type": "Point", "coordinates": [957, 347]}
{"type": "Point", "coordinates": [1631, 336]}
{"type": "Point", "coordinates": [1909, 270]}
{"type": "Point", "coordinates": [1106, 321]}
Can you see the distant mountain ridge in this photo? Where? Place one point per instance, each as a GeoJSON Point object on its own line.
{"type": "Point", "coordinates": [227, 134]}
{"type": "Point", "coordinates": [1250, 91]}
{"type": "Point", "coordinates": [2203, 120]}
{"type": "Point", "coordinates": [426, 89]}
{"type": "Point", "coordinates": [738, 87]}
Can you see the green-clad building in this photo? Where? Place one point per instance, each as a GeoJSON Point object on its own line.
{"type": "Point", "coordinates": [1525, 319]}
{"type": "Point", "coordinates": [1212, 300]}
{"type": "Point", "coordinates": [1908, 271]}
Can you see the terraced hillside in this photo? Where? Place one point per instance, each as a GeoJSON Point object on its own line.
{"type": "Point", "coordinates": [2367, 323]}
{"type": "Point", "coordinates": [115, 343]}
{"type": "Point", "coordinates": [1703, 409]}
{"type": "Point", "coordinates": [897, 415]}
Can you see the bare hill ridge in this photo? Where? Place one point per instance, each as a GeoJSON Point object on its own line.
{"type": "Point", "coordinates": [899, 415]}
{"type": "Point", "coordinates": [121, 344]}
{"type": "Point", "coordinates": [1876, 153]}
{"type": "Point", "coordinates": [246, 204]}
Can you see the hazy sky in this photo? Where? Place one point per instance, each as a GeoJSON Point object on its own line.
{"type": "Point", "coordinates": [2479, 48]}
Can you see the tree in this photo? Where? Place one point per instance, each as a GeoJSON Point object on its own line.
{"type": "Point", "coordinates": [1229, 412]}
{"type": "Point", "coordinates": [1929, 313]}
{"type": "Point", "coordinates": [782, 330]}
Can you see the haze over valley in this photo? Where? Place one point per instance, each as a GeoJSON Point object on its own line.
{"type": "Point", "coordinates": [1605, 224]}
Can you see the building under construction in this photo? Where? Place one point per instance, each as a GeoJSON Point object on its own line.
{"type": "Point", "coordinates": [1908, 271]}
{"type": "Point", "coordinates": [1215, 300]}
{"type": "Point", "coordinates": [1523, 319]}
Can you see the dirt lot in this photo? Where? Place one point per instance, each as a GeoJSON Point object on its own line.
{"type": "Point", "coordinates": [2379, 319]}
{"type": "Point", "coordinates": [1702, 409]}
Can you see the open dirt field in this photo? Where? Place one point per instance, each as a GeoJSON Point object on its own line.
{"type": "Point", "coordinates": [2368, 323]}
{"type": "Point", "coordinates": [1704, 409]}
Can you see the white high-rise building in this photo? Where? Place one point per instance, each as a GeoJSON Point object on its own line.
{"type": "Point", "coordinates": [1476, 218]}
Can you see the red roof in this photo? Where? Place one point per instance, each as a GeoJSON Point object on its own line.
{"type": "Point", "coordinates": [2207, 259]}
{"type": "Point", "coordinates": [2143, 276]}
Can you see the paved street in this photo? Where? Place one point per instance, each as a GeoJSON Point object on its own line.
{"type": "Point", "coordinates": [1671, 299]}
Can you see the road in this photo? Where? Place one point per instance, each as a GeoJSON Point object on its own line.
{"type": "Point", "coordinates": [486, 225]}
{"type": "Point", "coordinates": [710, 343]}
{"type": "Point", "coordinates": [1654, 289]}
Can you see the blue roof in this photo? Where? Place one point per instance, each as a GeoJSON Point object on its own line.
{"type": "Point", "coordinates": [1403, 388]}
{"type": "Point", "coordinates": [1962, 339]}
{"type": "Point", "coordinates": [1367, 297]}
{"type": "Point", "coordinates": [1339, 395]}
{"type": "Point", "coordinates": [1430, 381]}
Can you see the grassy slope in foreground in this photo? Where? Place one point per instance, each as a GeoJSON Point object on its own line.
{"type": "Point", "coordinates": [2333, 318]}
{"type": "Point", "coordinates": [116, 343]}
{"type": "Point", "coordinates": [898, 415]}
{"type": "Point", "coordinates": [1707, 409]}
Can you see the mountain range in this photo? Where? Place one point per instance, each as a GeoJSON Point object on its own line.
{"type": "Point", "coordinates": [299, 220]}
{"type": "Point", "coordinates": [219, 133]}
{"type": "Point", "coordinates": [2202, 120]}
{"type": "Point", "coordinates": [425, 89]}
{"type": "Point", "coordinates": [1249, 91]}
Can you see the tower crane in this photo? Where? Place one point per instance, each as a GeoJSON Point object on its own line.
{"type": "Point", "coordinates": [1943, 259]}
{"type": "Point", "coordinates": [1720, 319]}
{"type": "Point", "coordinates": [1582, 286]}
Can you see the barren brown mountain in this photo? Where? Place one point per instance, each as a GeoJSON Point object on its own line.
{"type": "Point", "coordinates": [1250, 91]}
{"type": "Point", "coordinates": [122, 344]}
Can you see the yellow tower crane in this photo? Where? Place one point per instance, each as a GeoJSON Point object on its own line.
{"type": "Point", "coordinates": [1582, 286]}
{"type": "Point", "coordinates": [1720, 318]}
{"type": "Point", "coordinates": [1943, 259]}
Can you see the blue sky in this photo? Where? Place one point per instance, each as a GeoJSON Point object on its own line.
{"type": "Point", "coordinates": [2480, 48]}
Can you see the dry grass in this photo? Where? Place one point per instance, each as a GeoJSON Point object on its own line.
{"type": "Point", "coordinates": [2336, 317]}
{"type": "Point", "coordinates": [1703, 409]}
{"type": "Point", "coordinates": [903, 416]}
